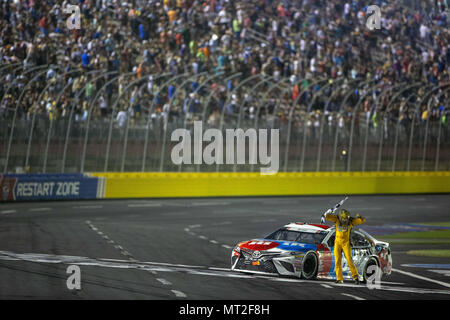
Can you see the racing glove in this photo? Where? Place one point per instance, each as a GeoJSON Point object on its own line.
{"type": "Point", "coordinates": [329, 211]}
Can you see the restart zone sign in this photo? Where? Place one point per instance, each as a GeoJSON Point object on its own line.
{"type": "Point", "coordinates": [17, 187]}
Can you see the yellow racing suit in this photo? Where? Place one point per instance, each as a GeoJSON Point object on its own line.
{"type": "Point", "coordinates": [342, 243]}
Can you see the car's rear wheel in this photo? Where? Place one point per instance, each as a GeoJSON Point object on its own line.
{"type": "Point", "coordinates": [309, 267]}
{"type": "Point", "coordinates": [369, 271]}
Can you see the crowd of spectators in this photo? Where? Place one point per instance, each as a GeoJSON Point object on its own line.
{"type": "Point", "coordinates": [312, 52]}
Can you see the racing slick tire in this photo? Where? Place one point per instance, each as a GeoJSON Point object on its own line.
{"type": "Point", "coordinates": [372, 262]}
{"type": "Point", "coordinates": [310, 266]}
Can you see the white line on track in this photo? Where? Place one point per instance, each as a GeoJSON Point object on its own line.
{"type": "Point", "coordinates": [416, 290]}
{"type": "Point", "coordinates": [221, 223]}
{"type": "Point", "coordinates": [392, 283]}
{"type": "Point", "coordinates": [285, 280]}
{"type": "Point", "coordinates": [198, 204]}
{"type": "Point", "coordinates": [326, 286]}
{"type": "Point", "coordinates": [132, 259]}
{"type": "Point", "coordinates": [7, 211]}
{"type": "Point", "coordinates": [445, 284]}
{"type": "Point", "coordinates": [203, 237]}
{"type": "Point", "coordinates": [172, 264]}
{"type": "Point", "coordinates": [197, 270]}
{"type": "Point", "coordinates": [178, 294]}
{"type": "Point", "coordinates": [226, 246]}
{"type": "Point", "coordinates": [87, 207]}
{"type": "Point", "coordinates": [444, 272]}
{"type": "Point", "coordinates": [164, 281]}
{"type": "Point", "coordinates": [40, 209]}
{"type": "Point", "coordinates": [352, 296]}
{"type": "Point", "coordinates": [144, 205]}
{"type": "Point", "coordinates": [219, 269]}
{"type": "Point", "coordinates": [221, 274]}
{"type": "Point", "coordinates": [213, 241]}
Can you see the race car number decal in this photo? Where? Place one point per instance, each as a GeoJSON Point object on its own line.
{"type": "Point", "coordinates": [264, 243]}
{"type": "Point", "coordinates": [259, 245]}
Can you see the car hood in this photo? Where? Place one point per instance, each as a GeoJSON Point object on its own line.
{"type": "Point", "coordinates": [265, 244]}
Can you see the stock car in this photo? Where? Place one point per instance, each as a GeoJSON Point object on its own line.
{"type": "Point", "coordinates": [305, 251]}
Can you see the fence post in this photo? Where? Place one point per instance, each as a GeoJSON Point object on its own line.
{"type": "Point", "coordinates": [91, 105]}
{"type": "Point", "coordinates": [229, 95]}
{"type": "Point", "coordinates": [206, 104]}
{"type": "Point", "coordinates": [256, 123]}
{"type": "Point", "coordinates": [8, 150]}
{"type": "Point", "coordinates": [44, 167]}
{"type": "Point", "coordinates": [166, 120]}
{"type": "Point", "coordinates": [333, 161]}
{"type": "Point", "coordinates": [108, 145]}
{"type": "Point", "coordinates": [438, 143]}
{"type": "Point", "coordinates": [66, 142]}
{"type": "Point", "coordinates": [149, 119]}
{"type": "Point", "coordinates": [394, 159]}
{"type": "Point", "coordinates": [32, 124]}
{"type": "Point", "coordinates": [380, 149]}
{"type": "Point", "coordinates": [302, 91]}
{"type": "Point", "coordinates": [199, 87]}
{"type": "Point", "coordinates": [427, 125]}
{"type": "Point", "coordinates": [354, 115]}
{"type": "Point", "coordinates": [322, 123]}
{"type": "Point", "coordinates": [288, 139]}
{"type": "Point", "coordinates": [384, 125]}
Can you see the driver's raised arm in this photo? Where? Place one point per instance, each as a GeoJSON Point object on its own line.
{"type": "Point", "coordinates": [330, 217]}
{"type": "Point", "coordinates": [358, 220]}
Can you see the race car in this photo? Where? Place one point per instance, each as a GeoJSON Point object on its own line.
{"type": "Point", "coordinates": [305, 251]}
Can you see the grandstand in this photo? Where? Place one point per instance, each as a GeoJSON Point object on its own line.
{"type": "Point", "coordinates": [106, 97]}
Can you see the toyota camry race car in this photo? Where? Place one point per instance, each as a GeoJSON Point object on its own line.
{"type": "Point", "coordinates": [306, 251]}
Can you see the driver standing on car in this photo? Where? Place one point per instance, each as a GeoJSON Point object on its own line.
{"type": "Point", "coordinates": [344, 224]}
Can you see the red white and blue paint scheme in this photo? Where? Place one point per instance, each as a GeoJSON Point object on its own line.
{"type": "Point", "coordinates": [306, 251]}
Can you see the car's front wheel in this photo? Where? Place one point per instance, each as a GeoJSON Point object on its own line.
{"type": "Point", "coordinates": [310, 266]}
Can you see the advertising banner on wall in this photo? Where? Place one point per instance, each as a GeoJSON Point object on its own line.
{"type": "Point", "coordinates": [19, 187]}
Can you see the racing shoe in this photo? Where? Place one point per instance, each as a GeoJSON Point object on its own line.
{"type": "Point", "coordinates": [356, 281]}
{"type": "Point", "coordinates": [339, 282]}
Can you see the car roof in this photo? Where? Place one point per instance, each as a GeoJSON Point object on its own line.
{"type": "Point", "coordinates": [306, 227]}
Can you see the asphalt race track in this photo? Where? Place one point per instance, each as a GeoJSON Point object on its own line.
{"type": "Point", "coordinates": [180, 248]}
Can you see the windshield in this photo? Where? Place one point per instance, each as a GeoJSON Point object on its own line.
{"type": "Point", "coordinates": [284, 234]}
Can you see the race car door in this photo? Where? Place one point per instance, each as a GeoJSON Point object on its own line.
{"type": "Point", "coordinates": [360, 247]}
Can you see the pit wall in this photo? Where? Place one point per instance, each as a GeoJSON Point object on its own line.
{"type": "Point", "coordinates": [166, 185]}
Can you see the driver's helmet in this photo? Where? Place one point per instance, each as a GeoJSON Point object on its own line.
{"type": "Point", "coordinates": [344, 217]}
